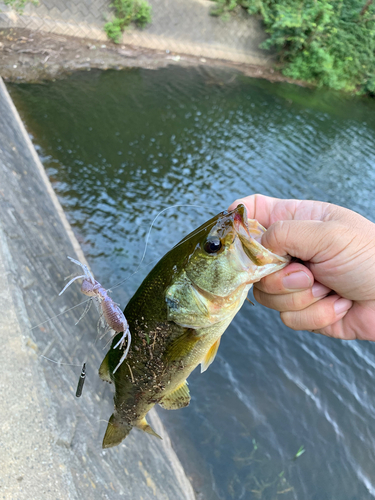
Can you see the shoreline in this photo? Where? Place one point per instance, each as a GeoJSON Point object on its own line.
{"type": "Point", "coordinates": [33, 57]}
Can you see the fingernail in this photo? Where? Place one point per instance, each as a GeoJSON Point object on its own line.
{"type": "Point", "coordinates": [319, 290]}
{"type": "Point", "coordinates": [297, 281]}
{"type": "Point", "coordinates": [342, 305]}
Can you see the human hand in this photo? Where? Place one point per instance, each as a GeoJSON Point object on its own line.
{"type": "Point", "coordinates": [333, 291]}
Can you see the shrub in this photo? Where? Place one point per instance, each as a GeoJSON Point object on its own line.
{"type": "Point", "coordinates": [126, 12]}
{"type": "Point", "coordinates": [19, 5]}
{"type": "Point", "coordinates": [328, 42]}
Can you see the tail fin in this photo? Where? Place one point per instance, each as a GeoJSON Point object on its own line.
{"type": "Point", "coordinates": [115, 433]}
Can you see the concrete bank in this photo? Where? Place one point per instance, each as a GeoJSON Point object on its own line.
{"type": "Point", "coordinates": [50, 444]}
{"type": "Point", "coordinates": [36, 56]}
{"type": "Point", "coordinates": [179, 26]}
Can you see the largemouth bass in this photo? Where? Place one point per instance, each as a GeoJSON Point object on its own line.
{"type": "Point", "coordinates": [178, 315]}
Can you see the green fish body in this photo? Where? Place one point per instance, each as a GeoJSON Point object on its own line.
{"type": "Point", "coordinates": [178, 315]}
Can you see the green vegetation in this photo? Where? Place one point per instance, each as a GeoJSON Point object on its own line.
{"type": "Point", "coordinates": [260, 477]}
{"type": "Point", "coordinates": [327, 42]}
{"type": "Point", "coordinates": [127, 12]}
{"type": "Point", "coordinates": [19, 5]}
{"type": "Point", "coordinates": [300, 452]}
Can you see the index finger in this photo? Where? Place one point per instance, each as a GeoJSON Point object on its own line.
{"type": "Point", "coordinates": [294, 277]}
{"type": "Point", "coordinates": [268, 210]}
{"type": "Point", "coordinates": [258, 207]}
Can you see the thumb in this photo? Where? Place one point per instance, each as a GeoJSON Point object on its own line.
{"type": "Point", "coordinates": [303, 239]}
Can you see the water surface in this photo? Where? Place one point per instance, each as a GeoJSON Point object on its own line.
{"type": "Point", "coordinates": [121, 146]}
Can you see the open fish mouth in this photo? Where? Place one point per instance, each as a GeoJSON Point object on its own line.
{"type": "Point", "coordinates": [184, 306]}
{"type": "Point", "coordinates": [250, 232]}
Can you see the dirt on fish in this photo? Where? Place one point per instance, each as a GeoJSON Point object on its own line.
{"type": "Point", "coordinates": [32, 56]}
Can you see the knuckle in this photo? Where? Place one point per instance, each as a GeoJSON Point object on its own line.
{"type": "Point", "coordinates": [266, 300]}
{"type": "Point", "coordinates": [272, 283]}
{"type": "Point", "coordinates": [311, 318]}
{"type": "Point", "coordinates": [258, 198]}
{"type": "Point", "coordinates": [290, 320]}
{"type": "Point", "coordinates": [300, 300]}
{"type": "Point", "coordinates": [259, 296]}
{"type": "Point", "coordinates": [276, 235]}
{"type": "Point", "coordinates": [321, 318]}
{"type": "Point", "coordinates": [262, 285]}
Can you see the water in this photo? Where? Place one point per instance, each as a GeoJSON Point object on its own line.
{"type": "Point", "coordinates": [121, 146]}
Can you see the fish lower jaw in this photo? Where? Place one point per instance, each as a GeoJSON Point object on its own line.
{"type": "Point", "coordinates": [262, 271]}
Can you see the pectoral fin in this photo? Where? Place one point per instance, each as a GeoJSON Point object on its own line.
{"type": "Point", "coordinates": [210, 356]}
{"type": "Point", "coordinates": [183, 345]}
{"type": "Point", "coordinates": [144, 426]}
{"type": "Point", "coordinates": [179, 398]}
{"type": "Point", "coordinates": [115, 433]}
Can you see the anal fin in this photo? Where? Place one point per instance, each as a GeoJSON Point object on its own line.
{"type": "Point", "coordinates": [179, 398]}
{"type": "Point", "coordinates": [210, 355]}
{"type": "Point", "coordinates": [144, 426]}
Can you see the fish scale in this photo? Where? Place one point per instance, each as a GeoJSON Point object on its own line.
{"type": "Point", "coordinates": [178, 315]}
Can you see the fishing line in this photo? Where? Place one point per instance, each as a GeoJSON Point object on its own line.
{"type": "Point", "coordinates": [57, 315]}
{"type": "Point", "coordinates": [82, 377]}
{"type": "Point", "coordinates": [58, 362]}
{"type": "Point", "coordinates": [148, 237]}
{"type": "Point", "coordinates": [83, 372]}
{"type": "Point", "coordinates": [137, 269]}
{"type": "Point", "coordinates": [85, 301]}
{"type": "Point", "coordinates": [103, 420]}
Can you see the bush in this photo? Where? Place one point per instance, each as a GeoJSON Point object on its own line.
{"type": "Point", "coordinates": [126, 12]}
{"type": "Point", "coordinates": [328, 42]}
{"type": "Point", "coordinates": [19, 5]}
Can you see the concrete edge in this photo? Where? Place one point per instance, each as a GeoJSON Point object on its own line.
{"type": "Point", "coordinates": [28, 422]}
{"type": "Point", "coordinates": [10, 19]}
{"type": "Point", "coordinates": [175, 463]}
{"type": "Point", "coordinates": [48, 186]}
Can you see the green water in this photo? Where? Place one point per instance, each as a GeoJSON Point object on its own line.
{"type": "Point", "coordinates": [121, 146]}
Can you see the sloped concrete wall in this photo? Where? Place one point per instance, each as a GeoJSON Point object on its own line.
{"type": "Point", "coordinates": [182, 26]}
{"type": "Point", "coordinates": [50, 445]}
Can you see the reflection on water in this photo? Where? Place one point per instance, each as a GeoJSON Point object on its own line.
{"type": "Point", "coordinates": [121, 146]}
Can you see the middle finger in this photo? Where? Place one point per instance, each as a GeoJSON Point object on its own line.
{"type": "Point", "coordinates": [294, 277]}
{"type": "Point", "coordinates": [292, 301]}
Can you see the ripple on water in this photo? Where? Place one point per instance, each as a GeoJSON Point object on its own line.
{"type": "Point", "coordinates": [121, 146]}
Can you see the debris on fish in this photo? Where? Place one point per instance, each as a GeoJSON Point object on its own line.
{"type": "Point", "coordinates": [178, 315]}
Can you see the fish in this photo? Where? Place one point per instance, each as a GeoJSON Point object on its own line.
{"type": "Point", "coordinates": [178, 315]}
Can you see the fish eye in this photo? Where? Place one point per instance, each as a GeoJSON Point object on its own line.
{"type": "Point", "coordinates": [212, 245]}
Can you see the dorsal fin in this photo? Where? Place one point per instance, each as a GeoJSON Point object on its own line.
{"type": "Point", "coordinates": [210, 356]}
{"type": "Point", "coordinates": [179, 398]}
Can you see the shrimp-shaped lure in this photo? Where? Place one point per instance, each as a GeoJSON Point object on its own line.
{"type": "Point", "coordinates": [111, 316]}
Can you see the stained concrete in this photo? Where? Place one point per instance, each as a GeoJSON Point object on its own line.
{"type": "Point", "coordinates": [179, 26]}
{"type": "Point", "coordinates": [50, 445]}
{"type": "Point", "coordinates": [36, 56]}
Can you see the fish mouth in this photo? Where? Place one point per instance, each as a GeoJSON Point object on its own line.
{"type": "Point", "coordinates": [250, 232]}
{"type": "Point", "coordinates": [248, 229]}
